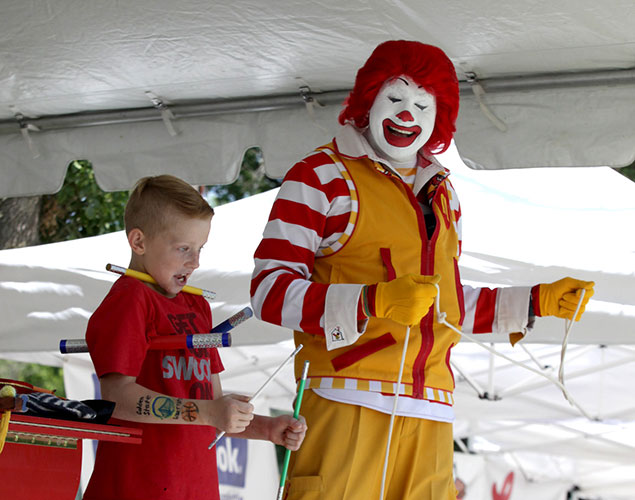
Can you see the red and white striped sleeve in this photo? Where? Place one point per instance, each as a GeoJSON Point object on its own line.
{"type": "Point", "coordinates": [496, 310]}
{"type": "Point", "coordinates": [309, 214]}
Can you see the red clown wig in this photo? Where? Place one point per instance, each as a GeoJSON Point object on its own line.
{"type": "Point", "coordinates": [427, 66]}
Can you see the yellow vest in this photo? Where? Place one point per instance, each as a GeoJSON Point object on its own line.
{"type": "Point", "coordinates": [390, 240]}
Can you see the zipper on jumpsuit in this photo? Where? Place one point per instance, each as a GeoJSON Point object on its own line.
{"type": "Point", "coordinates": [427, 266]}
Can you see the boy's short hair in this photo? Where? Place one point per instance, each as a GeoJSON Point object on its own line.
{"type": "Point", "coordinates": [155, 198]}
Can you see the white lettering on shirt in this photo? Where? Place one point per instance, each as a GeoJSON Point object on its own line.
{"type": "Point", "coordinates": [182, 368]}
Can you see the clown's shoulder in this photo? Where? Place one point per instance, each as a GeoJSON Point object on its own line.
{"type": "Point", "coordinates": [316, 168]}
{"type": "Point", "coordinates": [316, 180]}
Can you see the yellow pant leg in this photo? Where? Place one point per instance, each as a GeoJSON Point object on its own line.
{"type": "Point", "coordinates": [421, 463]}
{"type": "Point", "coordinates": [342, 455]}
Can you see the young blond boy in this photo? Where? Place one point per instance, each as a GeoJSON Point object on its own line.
{"type": "Point", "coordinates": [175, 396]}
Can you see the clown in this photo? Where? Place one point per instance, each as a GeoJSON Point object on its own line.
{"type": "Point", "coordinates": [362, 234]}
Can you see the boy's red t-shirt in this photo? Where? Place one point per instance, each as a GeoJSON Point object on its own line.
{"type": "Point", "coordinates": [173, 461]}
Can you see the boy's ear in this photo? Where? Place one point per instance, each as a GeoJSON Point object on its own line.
{"type": "Point", "coordinates": [136, 240]}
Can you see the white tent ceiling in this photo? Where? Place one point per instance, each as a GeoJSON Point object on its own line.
{"type": "Point", "coordinates": [515, 231]}
{"type": "Point", "coordinates": [558, 78]}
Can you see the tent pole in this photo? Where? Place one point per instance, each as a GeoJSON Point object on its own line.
{"type": "Point", "coordinates": [211, 107]}
{"type": "Point", "coordinates": [469, 380]}
{"type": "Point", "coordinates": [185, 110]}
{"type": "Point", "coordinates": [490, 375]}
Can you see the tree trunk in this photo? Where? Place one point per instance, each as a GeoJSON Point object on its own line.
{"type": "Point", "coordinates": [19, 221]}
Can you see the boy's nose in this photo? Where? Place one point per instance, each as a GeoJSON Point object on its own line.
{"type": "Point", "coordinates": [194, 261]}
{"type": "Point", "coordinates": [405, 116]}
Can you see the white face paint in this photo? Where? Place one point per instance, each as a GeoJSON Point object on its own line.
{"type": "Point", "coordinates": [401, 120]}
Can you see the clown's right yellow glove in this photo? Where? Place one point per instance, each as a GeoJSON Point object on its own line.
{"type": "Point", "coordinates": [404, 300]}
{"type": "Point", "coordinates": [561, 297]}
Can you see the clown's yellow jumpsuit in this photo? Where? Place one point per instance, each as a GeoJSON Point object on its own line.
{"type": "Point", "coordinates": [310, 266]}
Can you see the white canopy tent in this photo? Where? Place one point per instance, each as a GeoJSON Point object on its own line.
{"type": "Point", "coordinates": [153, 86]}
{"type": "Point", "coordinates": [88, 79]}
{"type": "Point", "coordinates": [515, 231]}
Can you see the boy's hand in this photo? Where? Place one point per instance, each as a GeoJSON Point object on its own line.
{"type": "Point", "coordinates": [232, 413]}
{"type": "Point", "coordinates": [288, 431]}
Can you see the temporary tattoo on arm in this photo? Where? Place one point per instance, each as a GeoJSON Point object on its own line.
{"type": "Point", "coordinates": [163, 407]}
{"type": "Point", "coordinates": [178, 409]}
{"type": "Point", "coordinates": [189, 413]}
{"type": "Point", "coordinates": [143, 405]}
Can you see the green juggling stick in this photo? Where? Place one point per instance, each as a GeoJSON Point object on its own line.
{"type": "Point", "coordinates": [296, 414]}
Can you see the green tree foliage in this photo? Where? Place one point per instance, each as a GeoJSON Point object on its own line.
{"type": "Point", "coordinates": [628, 171]}
{"type": "Point", "coordinates": [46, 377]}
{"type": "Point", "coordinates": [81, 208]}
{"type": "Point", "coordinates": [252, 180]}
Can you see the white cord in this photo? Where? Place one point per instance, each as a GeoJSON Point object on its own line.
{"type": "Point", "coordinates": [559, 383]}
{"type": "Point", "coordinates": [394, 412]}
{"type": "Point", "coordinates": [565, 341]}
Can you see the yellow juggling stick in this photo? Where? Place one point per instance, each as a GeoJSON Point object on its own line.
{"type": "Point", "coordinates": [149, 279]}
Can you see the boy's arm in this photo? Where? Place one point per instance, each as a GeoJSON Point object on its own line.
{"type": "Point", "coordinates": [231, 413]}
{"type": "Point", "coordinates": [283, 430]}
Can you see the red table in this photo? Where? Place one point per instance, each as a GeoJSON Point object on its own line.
{"type": "Point", "coordinates": [42, 457]}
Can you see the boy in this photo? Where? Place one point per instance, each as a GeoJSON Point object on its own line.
{"type": "Point", "coordinates": [167, 223]}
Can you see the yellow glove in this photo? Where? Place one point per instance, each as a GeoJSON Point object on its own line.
{"type": "Point", "coordinates": [6, 391]}
{"type": "Point", "coordinates": [561, 297]}
{"type": "Point", "coordinates": [406, 299]}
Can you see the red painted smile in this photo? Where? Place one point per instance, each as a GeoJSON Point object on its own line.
{"type": "Point", "coordinates": [398, 136]}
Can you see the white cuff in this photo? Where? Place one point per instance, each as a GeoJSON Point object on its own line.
{"type": "Point", "coordinates": [340, 316]}
{"type": "Point", "coordinates": [512, 310]}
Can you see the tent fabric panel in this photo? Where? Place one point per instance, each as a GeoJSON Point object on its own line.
{"type": "Point", "coordinates": [28, 172]}
{"type": "Point", "coordinates": [587, 130]}
{"type": "Point", "coordinates": [287, 136]}
{"type": "Point", "coordinates": [206, 151]}
{"type": "Point", "coordinates": [563, 217]}
{"type": "Point", "coordinates": [564, 127]}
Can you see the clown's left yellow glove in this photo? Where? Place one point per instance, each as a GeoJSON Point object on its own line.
{"type": "Point", "coordinates": [6, 391]}
{"type": "Point", "coordinates": [561, 297]}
